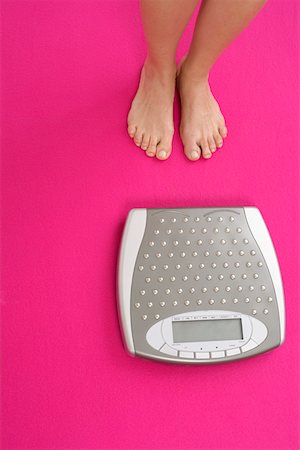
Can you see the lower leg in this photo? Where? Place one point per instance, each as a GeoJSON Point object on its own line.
{"type": "Point", "coordinates": [218, 23]}
{"type": "Point", "coordinates": [150, 120]}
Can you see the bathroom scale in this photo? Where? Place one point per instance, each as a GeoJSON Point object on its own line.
{"type": "Point", "coordinates": [199, 285]}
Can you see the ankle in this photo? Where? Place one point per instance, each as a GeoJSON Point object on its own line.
{"type": "Point", "coordinates": [164, 70]}
{"type": "Point", "coordinates": [193, 71]}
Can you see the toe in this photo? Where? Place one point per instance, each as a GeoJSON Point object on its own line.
{"type": "Point", "coordinates": [151, 150]}
{"type": "Point", "coordinates": [218, 140]}
{"type": "Point", "coordinates": [145, 142]}
{"type": "Point", "coordinates": [223, 131]}
{"type": "Point", "coordinates": [212, 144]}
{"type": "Point", "coordinates": [131, 130]}
{"type": "Point", "coordinates": [206, 153]}
{"type": "Point", "coordinates": [164, 148]}
{"type": "Point", "coordinates": [138, 138]}
{"type": "Point", "coordinates": [191, 150]}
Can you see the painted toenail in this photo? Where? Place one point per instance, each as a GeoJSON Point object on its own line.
{"type": "Point", "coordinates": [194, 154]}
{"type": "Point", "coordinates": [162, 154]}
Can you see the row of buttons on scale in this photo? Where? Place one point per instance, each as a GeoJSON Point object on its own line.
{"type": "Point", "coordinates": [208, 355]}
{"type": "Point", "coordinates": [196, 219]}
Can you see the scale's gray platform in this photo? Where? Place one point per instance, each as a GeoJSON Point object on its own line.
{"type": "Point", "coordinates": [195, 264]}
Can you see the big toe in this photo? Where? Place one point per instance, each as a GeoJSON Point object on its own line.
{"type": "Point", "coordinates": [164, 148]}
{"type": "Point", "coordinates": [191, 150]}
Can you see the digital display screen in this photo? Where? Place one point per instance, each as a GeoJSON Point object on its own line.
{"type": "Point", "coordinates": [207, 330]}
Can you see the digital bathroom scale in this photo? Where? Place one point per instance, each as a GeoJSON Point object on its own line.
{"type": "Point", "coordinates": [199, 285]}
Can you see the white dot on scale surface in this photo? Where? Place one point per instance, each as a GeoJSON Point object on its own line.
{"type": "Point", "coordinates": [153, 267]}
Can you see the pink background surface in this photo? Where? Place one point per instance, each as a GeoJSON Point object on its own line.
{"type": "Point", "coordinates": [70, 175]}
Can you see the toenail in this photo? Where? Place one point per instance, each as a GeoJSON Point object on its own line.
{"type": "Point", "coordinates": [194, 154]}
{"type": "Point", "coordinates": [162, 154]}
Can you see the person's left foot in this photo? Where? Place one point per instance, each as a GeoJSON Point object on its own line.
{"type": "Point", "coordinates": [202, 126]}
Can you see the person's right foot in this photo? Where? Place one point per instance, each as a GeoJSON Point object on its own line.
{"type": "Point", "coordinates": [150, 119]}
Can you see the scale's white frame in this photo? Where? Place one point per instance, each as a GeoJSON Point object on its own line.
{"type": "Point", "coordinates": [131, 241]}
{"type": "Point", "coordinates": [262, 236]}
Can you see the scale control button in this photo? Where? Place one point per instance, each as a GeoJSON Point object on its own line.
{"type": "Point", "coordinates": [202, 355]}
{"type": "Point", "coordinates": [154, 336]}
{"type": "Point", "coordinates": [249, 346]}
{"type": "Point", "coordinates": [259, 331]}
{"type": "Point", "coordinates": [219, 354]}
{"type": "Point", "coordinates": [233, 351]}
{"type": "Point", "coordinates": [189, 355]}
{"type": "Point", "coordinates": [169, 350]}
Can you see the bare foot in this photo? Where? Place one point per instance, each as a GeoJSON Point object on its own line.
{"type": "Point", "coordinates": [150, 119]}
{"type": "Point", "coordinates": [202, 126]}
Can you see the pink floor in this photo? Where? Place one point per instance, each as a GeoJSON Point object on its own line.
{"type": "Point", "coordinates": [70, 175]}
